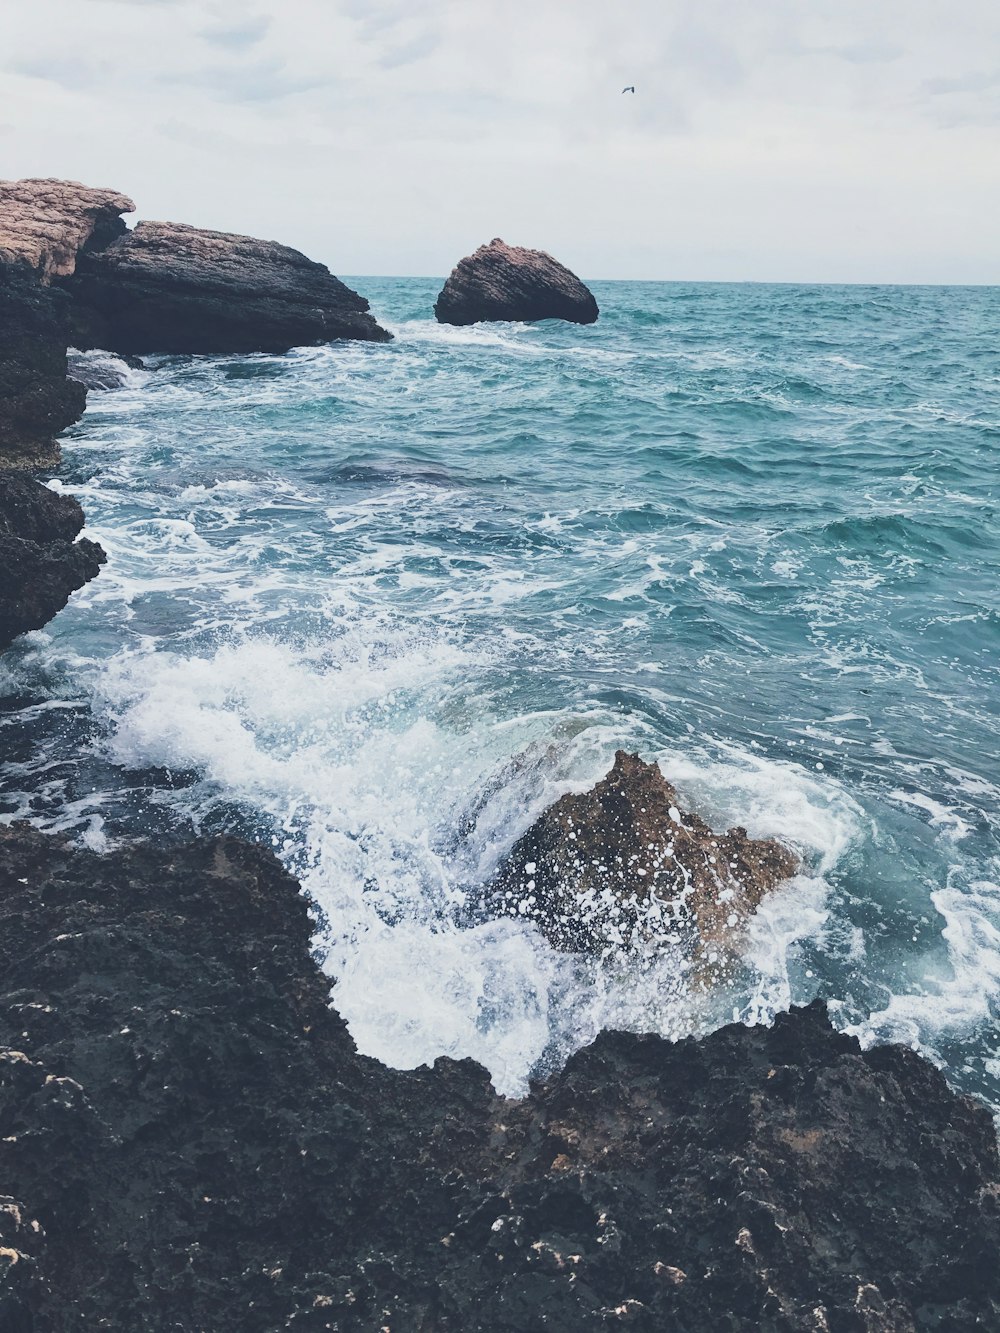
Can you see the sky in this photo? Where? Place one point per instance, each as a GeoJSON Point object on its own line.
{"type": "Point", "coordinates": [772, 140]}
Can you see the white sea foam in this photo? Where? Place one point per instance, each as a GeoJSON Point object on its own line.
{"type": "Point", "coordinates": [362, 760]}
{"type": "Point", "coordinates": [371, 653]}
{"type": "Point", "coordinates": [956, 993]}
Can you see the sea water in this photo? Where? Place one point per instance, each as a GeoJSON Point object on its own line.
{"type": "Point", "coordinates": [377, 606]}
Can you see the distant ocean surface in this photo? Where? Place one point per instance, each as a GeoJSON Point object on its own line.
{"type": "Point", "coordinates": [378, 605]}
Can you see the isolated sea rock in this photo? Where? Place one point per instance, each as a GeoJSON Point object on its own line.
{"type": "Point", "coordinates": [502, 281]}
{"type": "Point", "coordinates": [623, 863]}
{"type": "Point", "coordinates": [188, 1137]}
{"type": "Point", "coordinates": [166, 287]}
{"type": "Point", "coordinates": [44, 224]}
{"type": "Point", "coordinates": [42, 563]}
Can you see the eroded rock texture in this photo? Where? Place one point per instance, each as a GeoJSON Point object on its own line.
{"type": "Point", "coordinates": [623, 863]}
{"type": "Point", "coordinates": [37, 401]}
{"type": "Point", "coordinates": [41, 562]}
{"type": "Point", "coordinates": [47, 223]}
{"type": "Point", "coordinates": [165, 287]}
{"type": "Point", "coordinates": [500, 281]}
{"type": "Point", "coordinates": [189, 1140]}
{"type": "Point", "coordinates": [44, 224]}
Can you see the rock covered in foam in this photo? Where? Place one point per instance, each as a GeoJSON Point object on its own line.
{"type": "Point", "coordinates": [167, 287]}
{"type": "Point", "coordinates": [42, 563]}
{"type": "Point", "coordinates": [188, 1137]}
{"type": "Point", "coordinates": [500, 282]}
{"type": "Point", "coordinates": [623, 863]}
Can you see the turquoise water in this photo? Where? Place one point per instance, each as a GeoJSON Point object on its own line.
{"type": "Point", "coordinates": [380, 605]}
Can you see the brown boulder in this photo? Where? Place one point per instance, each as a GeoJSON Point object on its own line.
{"type": "Point", "coordinates": [623, 864]}
{"type": "Point", "coordinates": [501, 282]}
{"type": "Point", "coordinates": [47, 222]}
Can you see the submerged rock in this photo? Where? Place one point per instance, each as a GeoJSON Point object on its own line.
{"type": "Point", "coordinates": [101, 370]}
{"type": "Point", "coordinates": [502, 281]}
{"type": "Point", "coordinates": [42, 563]}
{"type": "Point", "coordinates": [165, 287]}
{"type": "Point", "coordinates": [623, 863]}
{"type": "Point", "coordinates": [189, 1139]}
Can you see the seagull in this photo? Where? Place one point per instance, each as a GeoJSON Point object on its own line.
{"type": "Point", "coordinates": [629, 89]}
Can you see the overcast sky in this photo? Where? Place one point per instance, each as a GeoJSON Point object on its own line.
{"type": "Point", "coordinates": [826, 140]}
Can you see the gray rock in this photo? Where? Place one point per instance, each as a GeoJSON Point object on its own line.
{"type": "Point", "coordinates": [165, 287]}
{"type": "Point", "coordinates": [42, 563]}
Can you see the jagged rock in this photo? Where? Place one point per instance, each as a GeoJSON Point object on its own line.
{"type": "Point", "coordinates": [189, 1139]}
{"type": "Point", "coordinates": [623, 863]}
{"type": "Point", "coordinates": [44, 224]}
{"type": "Point", "coordinates": [47, 222]}
{"type": "Point", "coordinates": [503, 281]}
{"type": "Point", "coordinates": [165, 287]}
{"type": "Point", "coordinates": [37, 401]}
{"type": "Point", "coordinates": [41, 562]}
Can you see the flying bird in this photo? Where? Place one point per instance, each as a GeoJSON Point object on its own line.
{"type": "Point", "coordinates": [629, 89]}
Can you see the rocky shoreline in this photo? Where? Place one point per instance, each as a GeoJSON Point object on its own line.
{"type": "Point", "coordinates": [190, 1139]}
{"type": "Point", "coordinates": [72, 274]}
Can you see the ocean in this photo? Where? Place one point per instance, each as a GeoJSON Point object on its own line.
{"type": "Point", "coordinates": [377, 606]}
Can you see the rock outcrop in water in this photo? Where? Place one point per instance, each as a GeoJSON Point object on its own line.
{"type": "Point", "coordinates": [188, 1139]}
{"type": "Point", "coordinates": [44, 225]}
{"type": "Point", "coordinates": [165, 287]}
{"type": "Point", "coordinates": [70, 273]}
{"type": "Point", "coordinates": [622, 863]}
{"type": "Point", "coordinates": [499, 282]}
{"type": "Point", "coordinates": [41, 560]}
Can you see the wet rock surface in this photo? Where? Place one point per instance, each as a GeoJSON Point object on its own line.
{"type": "Point", "coordinates": [504, 282]}
{"type": "Point", "coordinates": [166, 287]}
{"type": "Point", "coordinates": [189, 1140]}
{"type": "Point", "coordinates": [41, 561]}
{"type": "Point", "coordinates": [623, 864]}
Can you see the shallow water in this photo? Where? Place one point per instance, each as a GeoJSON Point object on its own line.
{"type": "Point", "coordinates": [380, 605]}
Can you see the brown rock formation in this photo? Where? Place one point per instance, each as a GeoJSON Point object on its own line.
{"type": "Point", "coordinates": [47, 222]}
{"type": "Point", "coordinates": [44, 225]}
{"type": "Point", "coordinates": [165, 287]}
{"type": "Point", "coordinates": [501, 281]}
{"type": "Point", "coordinates": [623, 863]}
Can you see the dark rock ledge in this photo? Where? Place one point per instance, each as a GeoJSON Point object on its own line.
{"type": "Point", "coordinates": [189, 1140]}
{"type": "Point", "coordinates": [41, 562]}
{"type": "Point", "coordinates": [165, 287]}
{"type": "Point", "coordinates": [502, 282]}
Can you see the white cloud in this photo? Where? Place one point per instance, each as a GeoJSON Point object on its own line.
{"type": "Point", "coordinates": [785, 140]}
